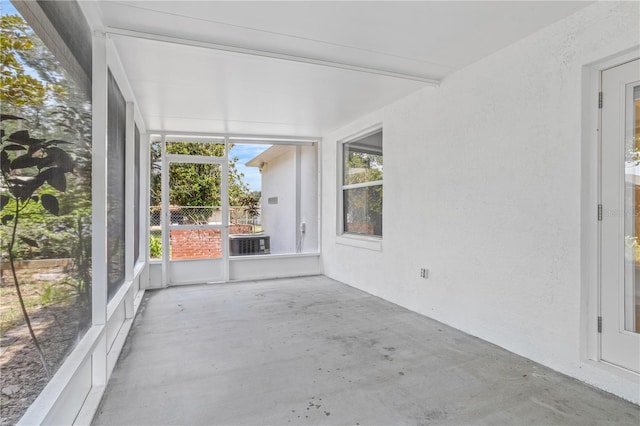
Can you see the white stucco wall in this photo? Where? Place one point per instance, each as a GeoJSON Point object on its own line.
{"type": "Point", "coordinates": [309, 197]}
{"type": "Point", "coordinates": [279, 220]}
{"type": "Point", "coordinates": [279, 180]}
{"type": "Point", "coordinates": [482, 185]}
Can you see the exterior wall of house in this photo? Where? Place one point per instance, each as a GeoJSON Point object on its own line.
{"type": "Point", "coordinates": [482, 186]}
{"type": "Point", "coordinates": [279, 181]}
{"type": "Point", "coordinates": [309, 198]}
{"type": "Point", "coordinates": [279, 219]}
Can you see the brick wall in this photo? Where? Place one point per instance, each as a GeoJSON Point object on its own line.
{"type": "Point", "coordinates": [201, 243]}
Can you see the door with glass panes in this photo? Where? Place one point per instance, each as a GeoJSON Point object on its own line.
{"type": "Point", "coordinates": [195, 210]}
{"type": "Point", "coordinates": [620, 219]}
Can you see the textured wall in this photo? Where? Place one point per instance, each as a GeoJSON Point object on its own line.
{"type": "Point", "coordinates": [482, 186]}
{"type": "Point", "coordinates": [279, 220]}
{"type": "Point", "coordinates": [309, 197]}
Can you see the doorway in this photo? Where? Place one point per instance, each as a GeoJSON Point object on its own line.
{"type": "Point", "coordinates": [196, 217]}
{"type": "Point", "coordinates": [619, 321]}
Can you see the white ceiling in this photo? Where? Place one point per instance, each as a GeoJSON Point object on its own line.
{"type": "Point", "coordinates": [182, 81]}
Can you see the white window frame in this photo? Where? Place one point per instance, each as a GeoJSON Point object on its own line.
{"type": "Point", "coordinates": [372, 242]}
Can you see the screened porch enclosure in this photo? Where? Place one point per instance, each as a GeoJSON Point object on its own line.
{"type": "Point", "coordinates": [228, 197]}
{"type": "Point", "coordinates": [240, 145]}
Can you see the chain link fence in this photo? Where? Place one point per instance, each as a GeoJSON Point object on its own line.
{"type": "Point", "coordinates": [202, 215]}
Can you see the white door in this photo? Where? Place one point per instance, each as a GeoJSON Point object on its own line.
{"type": "Point", "coordinates": [195, 206]}
{"type": "Point", "coordinates": [620, 225]}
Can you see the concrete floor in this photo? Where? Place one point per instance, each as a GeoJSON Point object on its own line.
{"type": "Point", "coordinates": [314, 351]}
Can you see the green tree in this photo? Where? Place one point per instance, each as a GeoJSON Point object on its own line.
{"type": "Point", "coordinates": [35, 87]}
{"type": "Point", "coordinates": [32, 171]}
{"type": "Point", "coordinates": [362, 167]}
{"type": "Point", "coordinates": [19, 89]}
{"type": "Point", "coordinates": [195, 184]}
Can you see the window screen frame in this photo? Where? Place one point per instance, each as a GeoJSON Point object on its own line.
{"type": "Point", "coordinates": [116, 186]}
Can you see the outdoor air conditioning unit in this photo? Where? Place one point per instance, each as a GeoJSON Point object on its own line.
{"type": "Point", "coordinates": [248, 244]}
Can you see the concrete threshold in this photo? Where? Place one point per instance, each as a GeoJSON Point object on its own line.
{"type": "Point", "coordinates": [313, 351]}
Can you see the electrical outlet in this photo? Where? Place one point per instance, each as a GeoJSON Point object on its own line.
{"type": "Point", "coordinates": [424, 273]}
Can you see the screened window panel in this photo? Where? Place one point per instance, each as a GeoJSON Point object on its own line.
{"type": "Point", "coordinates": [116, 135]}
{"type": "Point", "coordinates": [136, 197]}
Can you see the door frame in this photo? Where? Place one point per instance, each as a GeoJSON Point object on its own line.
{"type": "Point", "coordinates": [165, 224]}
{"type": "Point", "coordinates": [591, 191]}
{"type": "Point", "coordinates": [618, 346]}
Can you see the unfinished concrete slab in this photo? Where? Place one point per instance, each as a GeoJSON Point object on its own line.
{"type": "Point", "coordinates": [315, 351]}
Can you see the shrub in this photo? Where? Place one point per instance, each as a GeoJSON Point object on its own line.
{"type": "Point", "coordinates": [155, 247]}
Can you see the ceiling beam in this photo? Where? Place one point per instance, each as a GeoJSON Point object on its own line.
{"type": "Point", "coordinates": [239, 137]}
{"type": "Point", "coordinates": [268, 54]}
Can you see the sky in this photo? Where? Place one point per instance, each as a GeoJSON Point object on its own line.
{"type": "Point", "coordinates": [7, 8]}
{"type": "Point", "coordinates": [246, 152]}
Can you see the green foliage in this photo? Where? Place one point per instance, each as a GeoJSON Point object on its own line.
{"type": "Point", "coordinates": [34, 174]}
{"type": "Point", "coordinates": [58, 112]}
{"type": "Point", "coordinates": [364, 204]}
{"type": "Point", "coordinates": [155, 247]}
{"type": "Point", "coordinates": [55, 293]}
{"type": "Point", "coordinates": [45, 192]}
{"type": "Point", "coordinates": [195, 184]}
{"type": "Point", "coordinates": [362, 167]}
{"type": "Point", "coordinates": [251, 205]}
{"type": "Point", "coordinates": [19, 47]}
{"type": "Point", "coordinates": [27, 165]}
{"type": "Point", "coordinates": [18, 88]}
{"type": "Point", "coordinates": [80, 235]}
{"type": "Point", "coordinates": [56, 236]}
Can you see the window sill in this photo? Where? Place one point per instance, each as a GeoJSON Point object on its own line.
{"type": "Point", "coordinates": [360, 241]}
{"type": "Point", "coordinates": [273, 256]}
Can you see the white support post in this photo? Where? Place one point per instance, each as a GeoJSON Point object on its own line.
{"type": "Point", "coordinates": [165, 217]}
{"type": "Point", "coordinates": [129, 202]}
{"type": "Point", "coordinates": [224, 201]}
{"type": "Point", "coordinates": [99, 205]}
{"type": "Point", "coordinates": [129, 167]}
{"type": "Point", "coordinates": [145, 185]}
{"type": "Point", "coordinates": [319, 197]}
{"type": "Point", "coordinates": [298, 221]}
